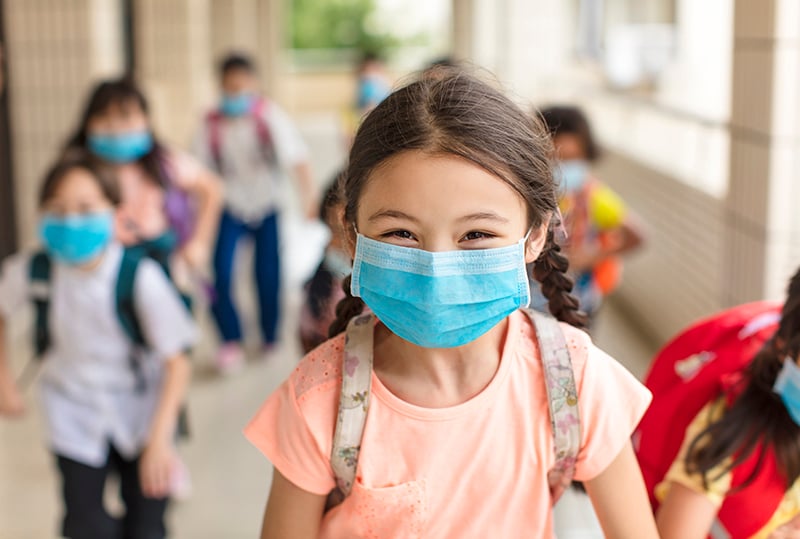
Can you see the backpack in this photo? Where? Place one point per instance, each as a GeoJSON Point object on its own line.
{"type": "Point", "coordinates": [40, 273]}
{"type": "Point", "coordinates": [700, 365]}
{"type": "Point", "coordinates": [214, 126]}
{"type": "Point", "coordinates": [354, 401]}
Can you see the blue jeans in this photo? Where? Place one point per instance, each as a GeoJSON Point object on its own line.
{"type": "Point", "coordinates": [267, 275]}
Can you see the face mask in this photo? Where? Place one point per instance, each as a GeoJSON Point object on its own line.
{"type": "Point", "coordinates": [122, 147]}
{"type": "Point", "coordinates": [77, 239]}
{"type": "Point", "coordinates": [237, 104]}
{"type": "Point", "coordinates": [338, 263]}
{"type": "Point", "coordinates": [440, 300]}
{"type": "Point", "coordinates": [573, 174]}
{"type": "Point", "coordinates": [787, 385]}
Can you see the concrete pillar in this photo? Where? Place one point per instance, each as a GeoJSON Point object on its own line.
{"type": "Point", "coordinates": [763, 223]}
{"type": "Point", "coordinates": [56, 50]}
{"type": "Point", "coordinates": [174, 63]}
{"type": "Point", "coordinates": [271, 44]}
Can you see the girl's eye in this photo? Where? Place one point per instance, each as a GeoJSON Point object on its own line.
{"type": "Point", "coordinates": [399, 234]}
{"type": "Point", "coordinates": [475, 235]}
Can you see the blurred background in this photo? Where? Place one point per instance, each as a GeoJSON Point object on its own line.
{"type": "Point", "coordinates": [696, 106]}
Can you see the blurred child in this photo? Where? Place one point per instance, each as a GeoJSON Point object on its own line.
{"type": "Point", "coordinates": [170, 203]}
{"type": "Point", "coordinates": [110, 405]}
{"type": "Point", "coordinates": [373, 84]}
{"type": "Point", "coordinates": [324, 290]}
{"type": "Point", "coordinates": [254, 146]}
{"type": "Point", "coordinates": [599, 226]}
{"type": "Point", "coordinates": [434, 415]}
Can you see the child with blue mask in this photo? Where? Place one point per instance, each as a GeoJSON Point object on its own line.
{"type": "Point", "coordinates": [738, 467]}
{"type": "Point", "coordinates": [101, 416]}
{"type": "Point", "coordinates": [255, 147]}
{"type": "Point", "coordinates": [170, 202]}
{"type": "Point", "coordinates": [599, 226]}
{"type": "Point", "coordinates": [447, 195]}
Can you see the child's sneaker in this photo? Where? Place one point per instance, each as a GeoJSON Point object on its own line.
{"type": "Point", "coordinates": [230, 358]}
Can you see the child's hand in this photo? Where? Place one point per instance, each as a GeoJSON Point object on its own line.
{"type": "Point", "coordinates": [790, 530]}
{"type": "Point", "coordinates": [11, 402]}
{"type": "Point", "coordinates": [155, 469]}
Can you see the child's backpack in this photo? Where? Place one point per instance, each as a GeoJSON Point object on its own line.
{"type": "Point", "coordinates": [40, 273]}
{"type": "Point", "coordinates": [214, 126]}
{"type": "Point", "coordinates": [692, 370]}
{"type": "Point", "coordinates": [562, 397]}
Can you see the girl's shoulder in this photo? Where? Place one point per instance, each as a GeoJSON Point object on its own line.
{"type": "Point", "coordinates": [579, 343]}
{"type": "Point", "coordinates": [320, 371]}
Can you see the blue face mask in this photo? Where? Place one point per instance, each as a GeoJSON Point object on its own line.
{"type": "Point", "coordinates": [787, 385]}
{"type": "Point", "coordinates": [77, 239]}
{"type": "Point", "coordinates": [444, 299]}
{"type": "Point", "coordinates": [236, 104]}
{"type": "Point", "coordinates": [573, 174]}
{"type": "Point", "coordinates": [121, 147]}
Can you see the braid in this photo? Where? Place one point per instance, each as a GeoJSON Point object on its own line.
{"type": "Point", "coordinates": [550, 270]}
{"type": "Point", "coordinates": [349, 307]}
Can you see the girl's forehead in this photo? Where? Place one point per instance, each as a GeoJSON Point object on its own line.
{"type": "Point", "coordinates": [124, 107]}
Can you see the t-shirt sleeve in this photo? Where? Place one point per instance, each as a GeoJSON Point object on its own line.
{"type": "Point", "coordinates": [184, 169]}
{"type": "Point", "coordinates": [14, 284]}
{"type": "Point", "coordinates": [281, 431]}
{"type": "Point", "coordinates": [201, 146]}
{"type": "Point", "coordinates": [289, 144]}
{"type": "Point", "coordinates": [166, 322]}
{"type": "Point", "coordinates": [611, 402]}
{"type": "Point", "coordinates": [718, 484]}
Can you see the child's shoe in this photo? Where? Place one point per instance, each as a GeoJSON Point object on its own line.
{"type": "Point", "coordinates": [230, 358]}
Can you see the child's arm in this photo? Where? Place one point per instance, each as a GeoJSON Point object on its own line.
{"type": "Point", "coordinates": [206, 189]}
{"type": "Point", "coordinates": [291, 511]}
{"type": "Point", "coordinates": [156, 463]}
{"type": "Point", "coordinates": [685, 514]}
{"type": "Point", "coordinates": [308, 189]}
{"type": "Point", "coordinates": [11, 403]}
{"type": "Point", "coordinates": [620, 499]}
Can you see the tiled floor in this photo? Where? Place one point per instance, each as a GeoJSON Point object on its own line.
{"type": "Point", "coordinates": [230, 478]}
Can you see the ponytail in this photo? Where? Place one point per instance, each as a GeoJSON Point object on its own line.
{"type": "Point", "coordinates": [550, 270]}
{"type": "Point", "coordinates": [348, 308]}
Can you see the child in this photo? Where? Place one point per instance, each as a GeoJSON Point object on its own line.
{"type": "Point", "coordinates": [598, 225]}
{"type": "Point", "coordinates": [448, 193]}
{"type": "Point", "coordinates": [739, 464]}
{"type": "Point", "coordinates": [101, 413]}
{"type": "Point", "coordinates": [169, 201]}
{"type": "Point", "coordinates": [324, 289]}
{"type": "Point", "coordinates": [253, 145]}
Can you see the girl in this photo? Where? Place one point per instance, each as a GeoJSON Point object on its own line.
{"type": "Point", "coordinates": [100, 413]}
{"type": "Point", "coordinates": [741, 454]}
{"type": "Point", "coordinates": [161, 189]}
{"type": "Point", "coordinates": [599, 226]}
{"type": "Point", "coordinates": [448, 193]}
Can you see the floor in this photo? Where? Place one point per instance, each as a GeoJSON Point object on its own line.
{"type": "Point", "coordinates": [230, 478]}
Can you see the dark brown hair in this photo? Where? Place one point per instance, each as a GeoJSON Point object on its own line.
{"type": "Point", "coordinates": [80, 159]}
{"type": "Point", "coordinates": [758, 419]}
{"type": "Point", "coordinates": [568, 120]}
{"type": "Point", "coordinates": [116, 92]}
{"type": "Point", "coordinates": [459, 115]}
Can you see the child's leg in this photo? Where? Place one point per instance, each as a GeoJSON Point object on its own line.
{"type": "Point", "coordinates": [82, 489]}
{"type": "Point", "coordinates": [223, 308]}
{"type": "Point", "coordinates": [267, 269]}
{"type": "Point", "coordinates": [144, 517]}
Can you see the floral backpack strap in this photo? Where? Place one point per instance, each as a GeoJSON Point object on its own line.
{"type": "Point", "coordinates": [562, 398]}
{"type": "Point", "coordinates": [353, 404]}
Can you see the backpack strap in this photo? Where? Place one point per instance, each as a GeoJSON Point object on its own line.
{"type": "Point", "coordinates": [126, 309]}
{"type": "Point", "coordinates": [263, 132]}
{"type": "Point", "coordinates": [562, 399]}
{"type": "Point", "coordinates": [353, 403]}
{"type": "Point", "coordinates": [39, 273]}
{"type": "Point", "coordinates": [213, 124]}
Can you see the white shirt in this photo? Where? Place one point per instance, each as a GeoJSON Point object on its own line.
{"type": "Point", "coordinates": [252, 185]}
{"type": "Point", "coordinates": [88, 388]}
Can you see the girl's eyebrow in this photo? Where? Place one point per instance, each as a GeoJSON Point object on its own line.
{"type": "Point", "coordinates": [483, 215]}
{"type": "Point", "coordinates": [392, 214]}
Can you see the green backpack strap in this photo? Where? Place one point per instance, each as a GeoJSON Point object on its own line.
{"type": "Point", "coordinates": [126, 308]}
{"type": "Point", "coordinates": [562, 400]}
{"type": "Point", "coordinates": [39, 273]}
{"type": "Point", "coordinates": [353, 404]}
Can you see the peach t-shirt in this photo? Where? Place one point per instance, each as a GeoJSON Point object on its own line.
{"type": "Point", "coordinates": [478, 469]}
